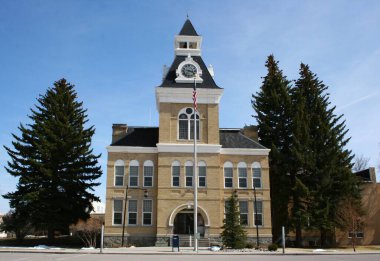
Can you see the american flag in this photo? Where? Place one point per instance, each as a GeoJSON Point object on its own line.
{"type": "Point", "coordinates": [195, 97]}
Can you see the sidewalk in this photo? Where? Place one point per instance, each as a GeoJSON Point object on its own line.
{"type": "Point", "coordinates": [187, 251]}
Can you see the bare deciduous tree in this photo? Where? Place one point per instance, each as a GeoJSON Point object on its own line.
{"type": "Point", "coordinates": [350, 218]}
{"type": "Point", "coordinates": [87, 231]}
{"type": "Point", "coordinates": [361, 163]}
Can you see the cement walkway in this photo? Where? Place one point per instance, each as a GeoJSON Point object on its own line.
{"type": "Point", "coordinates": [188, 251]}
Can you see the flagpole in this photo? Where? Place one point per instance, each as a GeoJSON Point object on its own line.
{"type": "Point", "coordinates": [195, 169]}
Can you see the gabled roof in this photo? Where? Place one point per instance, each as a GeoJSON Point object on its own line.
{"type": "Point", "coordinates": [148, 137]}
{"type": "Point", "coordinates": [139, 137]}
{"type": "Point", "coordinates": [233, 138]}
{"type": "Point", "coordinates": [188, 29]}
{"type": "Point", "coordinates": [169, 80]}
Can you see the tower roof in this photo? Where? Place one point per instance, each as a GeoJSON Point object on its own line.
{"type": "Point", "coordinates": [169, 80]}
{"type": "Point", "coordinates": [188, 29]}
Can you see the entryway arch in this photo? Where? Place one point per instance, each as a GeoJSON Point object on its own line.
{"type": "Point", "coordinates": [182, 219]}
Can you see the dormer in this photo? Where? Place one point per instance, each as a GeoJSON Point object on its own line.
{"type": "Point", "coordinates": [188, 42]}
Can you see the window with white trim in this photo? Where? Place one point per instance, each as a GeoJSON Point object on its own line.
{"type": "Point", "coordinates": [119, 173]}
{"type": "Point", "coordinates": [258, 216]}
{"type": "Point", "coordinates": [243, 208]}
{"type": "Point", "coordinates": [117, 211]}
{"type": "Point", "coordinates": [242, 174]}
{"type": "Point", "coordinates": [148, 173]}
{"type": "Point", "coordinates": [147, 212]}
{"type": "Point", "coordinates": [176, 168]}
{"type": "Point", "coordinates": [202, 168]}
{"type": "Point", "coordinates": [226, 206]}
{"type": "Point", "coordinates": [186, 124]}
{"type": "Point", "coordinates": [132, 212]}
{"type": "Point", "coordinates": [228, 174]}
{"type": "Point", "coordinates": [189, 173]}
{"type": "Point", "coordinates": [134, 173]}
{"type": "Point", "coordinates": [256, 175]}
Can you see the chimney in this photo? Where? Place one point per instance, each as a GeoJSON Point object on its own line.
{"type": "Point", "coordinates": [119, 131]}
{"type": "Point", "coordinates": [251, 132]}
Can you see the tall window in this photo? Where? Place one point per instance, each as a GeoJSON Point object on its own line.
{"type": "Point", "coordinates": [186, 124]}
{"type": "Point", "coordinates": [242, 172]}
{"type": "Point", "coordinates": [175, 173]}
{"type": "Point", "coordinates": [202, 174]}
{"type": "Point", "coordinates": [117, 211]}
{"type": "Point", "coordinates": [256, 175]}
{"type": "Point", "coordinates": [226, 206]}
{"type": "Point", "coordinates": [134, 173]}
{"type": "Point", "coordinates": [189, 174]}
{"type": "Point", "coordinates": [243, 207]}
{"type": "Point", "coordinates": [258, 216]}
{"type": "Point", "coordinates": [148, 173]}
{"type": "Point", "coordinates": [228, 174]}
{"type": "Point", "coordinates": [147, 212]}
{"type": "Point", "coordinates": [119, 173]}
{"type": "Point", "coordinates": [132, 212]}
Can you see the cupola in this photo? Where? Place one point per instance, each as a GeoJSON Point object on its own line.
{"type": "Point", "coordinates": [187, 42]}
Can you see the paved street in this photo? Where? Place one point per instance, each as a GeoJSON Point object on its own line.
{"type": "Point", "coordinates": [183, 257]}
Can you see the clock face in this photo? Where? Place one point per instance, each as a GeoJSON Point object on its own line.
{"type": "Point", "coordinates": [189, 70]}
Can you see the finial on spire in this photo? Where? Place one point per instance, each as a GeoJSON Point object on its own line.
{"type": "Point", "coordinates": [187, 15]}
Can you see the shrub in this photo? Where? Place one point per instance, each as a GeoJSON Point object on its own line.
{"type": "Point", "coordinates": [249, 245]}
{"type": "Point", "coordinates": [272, 247]}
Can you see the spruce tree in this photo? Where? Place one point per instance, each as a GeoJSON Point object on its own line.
{"type": "Point", "coordinates": [321, 154]}
{"type": "Point", "coordinates": [54, 162]}
{"type": "Point", "coordinates": [233, 235]}
{"type": "Point", "coordinates": [272, 105]}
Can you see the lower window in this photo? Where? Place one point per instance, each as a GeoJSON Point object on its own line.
{"type": "Point", "coordinates": [147, 212]}
{"type": "Point", "coordinates": [243, 207]}
{"type": "Point", "coordinates": [117, 211]}
{"type": "Point", "coordinates": [258, 213]}
{"type": "Point", "coordinates": [132, 212]}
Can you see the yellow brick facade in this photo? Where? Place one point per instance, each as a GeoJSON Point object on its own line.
{"type": "Point", "coordinates": [172, 205]}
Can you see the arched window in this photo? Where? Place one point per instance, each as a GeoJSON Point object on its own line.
{"type": "Point", "coordinates": [202, 174]}
{"type": "Point", "coordinates": [186, 124]}
{"type": "Point", "coordinates": [189, 174]}
{"type": "Point", "coordinates": [242, 174]}
{"type": "Point", "coordinates": [228, 174]}
{"type": "Point", "coordinates": [176, 167]}
{"type": "Point", "coordinates": [134, 173]}
{"type": "Point", "coordinates": [148, 173]}
{"type": "Point", "coordinates": [119, 173]}
{"type": "Point", "coordinates": [256, 175]}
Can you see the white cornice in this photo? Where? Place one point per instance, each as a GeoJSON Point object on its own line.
{"type": "Point", "coordinates": [259, 152]}
{"type": "Point", "coordinates": [129, 149]}
{"type": "Point", "coordinates": [188, 148]}
{"type": "Point", "coordinates": [185, 95]}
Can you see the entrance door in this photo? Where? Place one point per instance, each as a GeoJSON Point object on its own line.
{"type": "Point", "coordinates": [184, 223]}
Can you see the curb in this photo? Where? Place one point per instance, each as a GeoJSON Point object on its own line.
{"type": "Point", "coordinates": [182, 253]}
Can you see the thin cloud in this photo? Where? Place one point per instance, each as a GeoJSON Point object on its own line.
{"type": "Point", "coordinates": [358, 100]}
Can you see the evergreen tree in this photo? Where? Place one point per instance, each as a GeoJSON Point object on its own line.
{"type": "Point", "coordinates": [272, 105]}
{"type": "Point", "coordinates": [54, 162]}
{"type": "Point", "coordinates": [233, 235]}
{"type": "Point", "coordinates": [319, 152]}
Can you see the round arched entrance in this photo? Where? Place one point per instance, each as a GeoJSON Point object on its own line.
{"type": "Point", "coordinates": [184, 223]}
{"type": "Point", "coordinates": [182, 220]}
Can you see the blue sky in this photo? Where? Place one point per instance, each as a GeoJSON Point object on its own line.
{"type": "Point", "coordinates": [113, 51]}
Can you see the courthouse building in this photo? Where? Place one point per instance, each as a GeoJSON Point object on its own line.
{"type": "Point", "coordinates": [152, 167]}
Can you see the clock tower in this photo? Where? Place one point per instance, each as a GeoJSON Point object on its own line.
{"type": "Point", "coordinates": [174, 95]}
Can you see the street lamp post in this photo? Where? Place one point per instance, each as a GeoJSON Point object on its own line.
{"type": "Point", "coordinates": [256, 221]}
{"type": "Point", "coordinates": [125, 212]}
